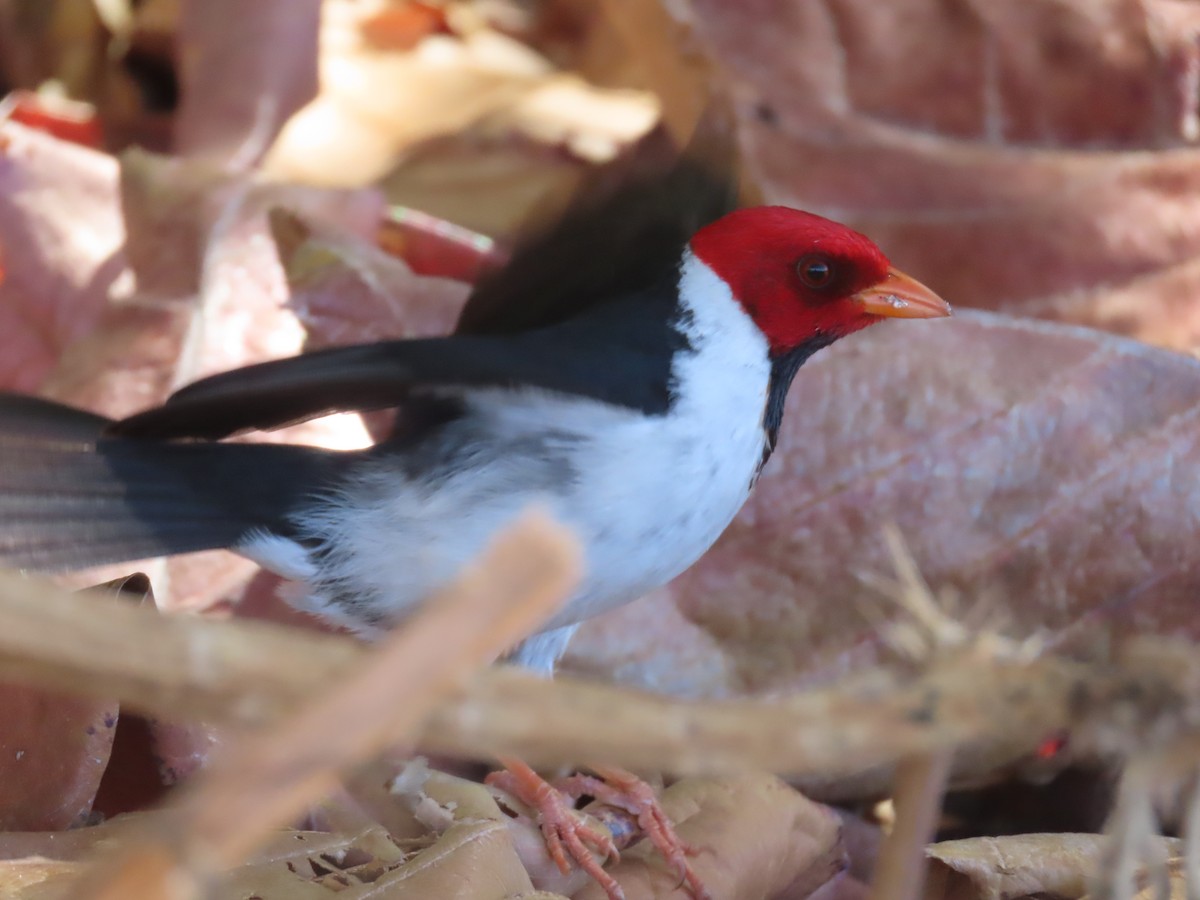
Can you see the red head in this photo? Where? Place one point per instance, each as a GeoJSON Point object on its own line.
{"type": "Point", "coordinates": [801, 277]}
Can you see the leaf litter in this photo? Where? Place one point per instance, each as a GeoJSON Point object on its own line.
{"type": "Point", "coordinates": [1040, 470]}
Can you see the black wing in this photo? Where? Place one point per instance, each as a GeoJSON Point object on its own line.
{"type": "Point", "coordinates": [569, 302]}
{"type": "Point", "coordinates": [574, 358]}
{"type": "Point", "coordinates": [613, 241]}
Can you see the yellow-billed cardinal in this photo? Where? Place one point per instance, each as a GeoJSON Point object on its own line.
{"type": "Point", "coordinates": [626, 370]}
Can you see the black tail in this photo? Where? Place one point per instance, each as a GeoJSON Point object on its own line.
{"type": "Point", "coordinates": [70, 497]}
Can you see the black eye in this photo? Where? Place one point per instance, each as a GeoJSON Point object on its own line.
{"type": "Point", "coordinates": [815, 271]}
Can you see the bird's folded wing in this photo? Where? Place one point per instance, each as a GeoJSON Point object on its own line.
{"type": "Point", "coordinates": [374, 376]}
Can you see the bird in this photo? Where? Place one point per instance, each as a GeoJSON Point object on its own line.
{"type": "Point", "coordinates": [626, 370]}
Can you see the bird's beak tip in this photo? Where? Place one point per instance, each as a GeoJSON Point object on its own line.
{"type": "Point", "coordinates": [900, 296]}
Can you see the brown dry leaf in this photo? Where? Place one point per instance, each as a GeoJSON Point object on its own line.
{"type": "Point", "coordinates": [485, 182]}
{"type": "Point", "coordinates": [756, 837]}
{"type": "Point", "coordinates": [472, 860]}
{"type": "Point", "coordinates": [55, 748]}
{"type": "Point", "coordinates": [1042, 468]}
{"type": "Point", "coordinates": [35, 878]}
{"type": "Point", "coordinates": [375, 103]}
{"type": "Point", "coordinates": [65, 846]}
{"type": "Point", "coordinates": [1154, 887]}
{"type": "Point", "coordinates": [997, 868]}
{"type": "Point", "coordinates": [181, 749]}
{"type": "Point", "coordinates": [842, 887]}
{"type": "Point", "coordinates": [463, 80]}
{"type": "Point", "coordinates": [433, 801]}
{"type": "Point", "coordinates": [245, 69]}
{"type": "Point", "coordinates": [59, 40]}
{"type": "Point", "coordinates": [1032, 157]}
{"type": "Point", "coordinates": [185, 214]}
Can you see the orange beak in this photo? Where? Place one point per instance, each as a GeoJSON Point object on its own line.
{"type": "Point", "coordinates": [900, 297]}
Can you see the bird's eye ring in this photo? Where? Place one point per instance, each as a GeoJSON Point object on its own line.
{"type": "Point", "coordinates": [815, 271]}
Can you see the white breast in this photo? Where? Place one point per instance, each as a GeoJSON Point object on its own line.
{"type": "Point", "coordinates": [658, 491]}
{"type": "Point", "coordinates": [646, 494]}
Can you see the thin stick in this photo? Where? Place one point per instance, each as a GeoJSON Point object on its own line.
{"type": "Point", "coordinates": [268, 778]}
{"type": "Point", "coordinates": [919, 786]}
{"type": "Point", "coordinates": [1191, 851]}
{"type": "Point", "coordinates": [189, 667]}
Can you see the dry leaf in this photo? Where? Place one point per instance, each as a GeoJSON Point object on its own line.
{"type": "Point", "coordinates": [35, 879]}
{"type": "Point", "coordinates": [67, 846]}
{"type": "Point", "coordinates": [1154, 886]}
{"type": "Point", "coordinates": [54, 749]}
{"type": "Point", "coordinates": [459, 84]}
{"type": "Point", "coordinates": [346, 290]}
{"type": "Point", "coordinates": [52, 40]}
{"type": "Point", "coordinates": [1008, 167]}
{"type": "Point", "coordinates": [472, 860]}
{"type": "Point", "coordinates": [843, 887]}
{"type": "Point", "coordinates": [1039, 469]}
{"type": "Point", "coordinates": [987, 868]}
{"type": "Point", "coordinates": [245, 69]}
{"type": "Point", "coordinates": [373, 103]}
{"type": "Point", "coordinates": [189, 227]}
{"type": "Point", "coordinates": [756, 837]}
{"type": "Point", "coordinates": [485, 182]}
{"type": "Point", "coordinates": [60, 243]}
{"type": "Point", "coordinates": [434, 801]}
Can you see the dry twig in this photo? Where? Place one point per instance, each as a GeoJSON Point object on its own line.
{"type": "Point", "coordinates": [919, 785]}
{"type": "Point", "coordinates": [269, 777]}
{"type": "Point", "coordinates": [1147, 690]}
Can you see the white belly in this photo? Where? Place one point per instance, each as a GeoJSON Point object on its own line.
{"type": "Point", "coordinates": [647, 495]}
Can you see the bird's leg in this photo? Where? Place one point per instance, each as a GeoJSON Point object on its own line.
{"type": "Point", "coordinates": [622, 789]}
{"type": "Point", "coordinates": [565, 833]}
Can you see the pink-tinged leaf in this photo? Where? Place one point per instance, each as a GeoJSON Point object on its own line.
{"type": "Point", "coordinates": [246, 68]}
{"type": "Point", "coordinates": [968, 140]}
{"type": "Point", "coordinates": [183, 749]}
{"type": "Point", "coordinates": [1021, 75]}
{"type": "Point", "coordinates": [55, 748]}
{"type": "Point", "coordinates": [60, 248]}
{"type": "Point", "coordinates": [53, 752]}
{"type": "Point", "coordinates": [1046, 473]}
{"type": "Point", "coordinates": [346, 290]}
{"type": "Point", "coordinates": [209, 293]}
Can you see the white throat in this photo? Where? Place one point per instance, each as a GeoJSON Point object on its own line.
{"type": "Point", "coordinates": [730, 362]}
